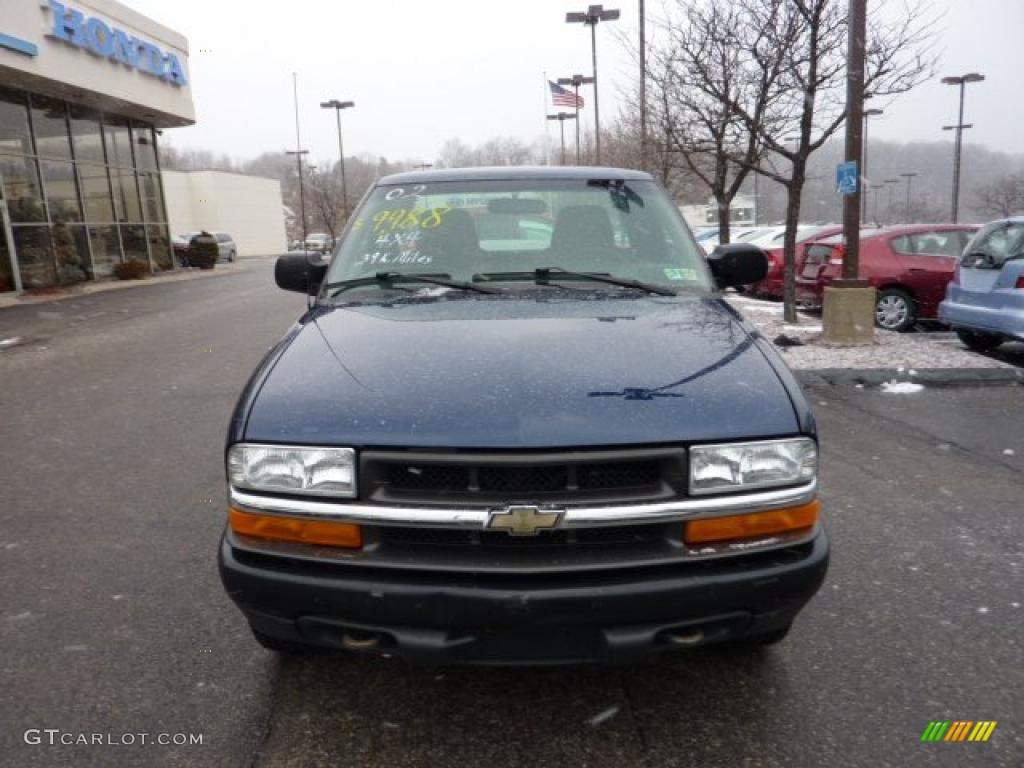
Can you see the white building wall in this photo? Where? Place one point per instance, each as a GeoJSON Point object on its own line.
{"type": "Point", "coordinates": [76, 74]}
{"type": "Point", "coordinates": [249, 208]}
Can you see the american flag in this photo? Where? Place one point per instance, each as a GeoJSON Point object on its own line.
{"type": "Point", "coordinates": [563, 97]}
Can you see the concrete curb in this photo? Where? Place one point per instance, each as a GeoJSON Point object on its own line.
{"type": "Point", "coordinates": [88, 289]}
{"type": "Point", "coordinates": [930, 377]}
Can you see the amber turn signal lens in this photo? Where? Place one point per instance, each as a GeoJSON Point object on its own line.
{"type": "Point", "coordinates": [326, 532]}
{"type": "Point", "coordinates": [752, 525]}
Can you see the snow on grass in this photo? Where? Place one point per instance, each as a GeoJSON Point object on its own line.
{"type": "Point", "coordinates": [901, 387]}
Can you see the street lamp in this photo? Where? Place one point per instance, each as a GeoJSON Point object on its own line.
{"type": "Point", "coordinates": [424, 166]}
{"type": "Point", "coordinates": [877, 188]}
{"type": "Point", "coordinates": [864, 160]}
{"type": "Point", "coordinates": [576, 81]}
{"type": "Point", "coordinates": [561, 117]}
{"type": "Point", "coordinates": [337, 106]}
{"type": "Point", "coordinates": [891, 183]}
{"type": "Point", "coordinates": [908, 177]}
{"type": "Point", "coordinates": [962, 81]}
{"type": "Point", "coordinates": [591, 17]}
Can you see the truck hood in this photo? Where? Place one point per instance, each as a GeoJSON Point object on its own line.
{"type": "Point", "coordinates": [519, 372]}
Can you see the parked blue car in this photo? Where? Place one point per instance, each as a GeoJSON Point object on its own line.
{"type": "Point", "coordinates": [985, 300]}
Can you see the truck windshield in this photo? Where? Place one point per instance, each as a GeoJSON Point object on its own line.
{"type": "Point", "coordinates": [466, 230]}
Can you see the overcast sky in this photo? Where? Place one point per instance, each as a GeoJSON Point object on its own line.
{"type": "Point", "coordinates": [423, 72]}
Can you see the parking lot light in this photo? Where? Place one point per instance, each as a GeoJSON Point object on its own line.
{"type": "Point", "coordinates": [962, 81]}
{"type": "Point", "coordinates": [592, 17]}
{"type": "Point", "coordinates": [337, 106]}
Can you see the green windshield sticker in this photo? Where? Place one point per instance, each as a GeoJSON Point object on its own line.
{"type": "Point", "coordinates": [680, 274]}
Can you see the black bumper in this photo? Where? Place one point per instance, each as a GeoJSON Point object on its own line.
{"type": "Point", "coordinates": [456, 618]}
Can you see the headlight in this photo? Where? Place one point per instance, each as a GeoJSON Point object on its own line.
{"type": "Point", "coordinates": [747, 466]}
{"type": "Point", "coordinates": [289, 469]}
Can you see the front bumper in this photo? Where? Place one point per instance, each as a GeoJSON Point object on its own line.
{"type": "Point", "coordinates": [507, 618]}
{"type": "Point", "coordinates": [962, 310]}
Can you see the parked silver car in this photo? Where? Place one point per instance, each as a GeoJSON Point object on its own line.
{"type": "Point", "coordinates": [985, 300]}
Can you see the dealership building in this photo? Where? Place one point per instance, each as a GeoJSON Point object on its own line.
{"type": "Point", "coordinates": [86, 88]}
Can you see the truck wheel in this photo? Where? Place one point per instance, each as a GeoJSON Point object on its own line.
{"type": "Point", "coordinates": [895, 310]}
{"type": "Point", "coordinates": [288, 647]}
{"type": "Point", "coordinates": [978, 341]}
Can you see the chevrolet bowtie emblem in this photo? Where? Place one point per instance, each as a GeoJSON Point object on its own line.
{"type": "Point", "coordinates": [523, 520]}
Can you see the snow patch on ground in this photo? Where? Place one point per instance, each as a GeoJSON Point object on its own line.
{"type": "Point", "coordinates": [901, 387]}
{"type": "Point", "coordinates": [909, 353]}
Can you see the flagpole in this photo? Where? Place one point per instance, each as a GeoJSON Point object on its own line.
{"type": "Point", "coordinates": [544, 109]}
{"type": "Point", "coordinates": [577, 87]}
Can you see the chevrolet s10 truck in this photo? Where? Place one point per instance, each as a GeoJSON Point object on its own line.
{"type": "Point", "coordinates": [520, 424]}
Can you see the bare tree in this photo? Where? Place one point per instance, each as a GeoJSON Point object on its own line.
{"type": "Point", "coordinates": [324, 190]}
{"type": "Point", "coordinates": [808, 106]}
{"type": "Point", "coordinates": [712, 81]}
{"type": "Point", "coordinates": [1001, 197]}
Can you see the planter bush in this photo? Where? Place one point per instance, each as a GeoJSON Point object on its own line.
{"type": "Point", "coordinates": [131, 270]}
{"type": "Point", "coordinates": [203, 251]}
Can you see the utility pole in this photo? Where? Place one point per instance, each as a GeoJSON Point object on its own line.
{"type": "Point", "coordinates": [908, 177]}
{"type": "Point", "coordinates": [337, 106]}
{"type": "Point", "coordinates": [849, 303]}
{"type": "Point", "coordinates": [561, 117]}
{"type": "Point", "coordinates": [576, 81]}
{"type": "Point", "coordinates": [962, 81]}
{"type": "Point", "coordinates": [591, 17]}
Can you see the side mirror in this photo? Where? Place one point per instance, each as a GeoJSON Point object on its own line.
{"type": "Point", "coordinates": [301, 272]}
{"type": "Point", "coordinates": [738, 264]}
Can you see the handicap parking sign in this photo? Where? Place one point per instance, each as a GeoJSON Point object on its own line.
{"type": "Point", "coordinates": [846, 177]}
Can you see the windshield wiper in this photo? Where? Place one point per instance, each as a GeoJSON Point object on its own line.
{"type": "Point", "coordinates": [384, 278]}
{"type": "Point", "coordinates": [542, 275]}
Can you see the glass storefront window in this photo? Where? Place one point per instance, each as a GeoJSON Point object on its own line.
{"type": "Point", "coordinates": [160, 246]}
{"type": "Point", "coordinates": [133, 237]}
{"type": "Point", "coordinates": [61, 191]}
{"type": "Point", "coordinates": [35, 255]}
{"type": "Point", "coordinates": [152, 198]}
{"type": "Point", "coordinates": [14, 133]}
{"type": "Point", "coordinates": [106, 250]}
{"type": "Point", "coordinates": [87, 135]}
{"type": "Point", "coordinates": [72, 249]}
{"type": "Point", "coordinates": [145, 146]}
{"type": "Point", "coordinates": [118, 141]}
{"type": "Point", "coordinates": [96, 193]}
{"type": "Point", "coordinates": [126, 196]}
{"type": "Point", "coordinates": [21, 189]}
{"type": "Point", "coordinates": [49, 123]}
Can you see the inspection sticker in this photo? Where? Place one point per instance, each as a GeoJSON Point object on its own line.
{"type": "Point", "coordinates": [673, 273]}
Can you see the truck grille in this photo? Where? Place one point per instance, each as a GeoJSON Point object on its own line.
{"type": "Point", "coordinates": [620, 535]}
{"type": "Point", "coordinates": [488, 479]}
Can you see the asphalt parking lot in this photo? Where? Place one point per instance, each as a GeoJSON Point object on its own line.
{"type": "Point", "coordinates": [113, 619]}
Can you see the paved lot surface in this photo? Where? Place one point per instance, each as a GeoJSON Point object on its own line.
{"type": "Point", "coordinates": [112, 618]}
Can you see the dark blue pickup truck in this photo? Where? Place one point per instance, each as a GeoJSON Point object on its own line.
{"type": "Point", "coordinates": [519, 424]}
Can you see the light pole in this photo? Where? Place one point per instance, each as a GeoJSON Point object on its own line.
{"type": "Point", "coordinates": [908, 177]}
{"type": "Point", "coordinates": [891, 183]}
{"type": "Point", "coordinates": [864, 160]}
{"type": "Point", "coordinates": [962, 81]}
{"type": "Point", "coordinates": [643, 96]}
{"type": "Point", "coordinates": [424, 166]}
{"type": "Point", "coordinates": [592, 16]}
{"type": "Point", "coordinates": [877, 188]}
{"type": "Point", "coordinates": [337, 106]}
{"type": "Point", "coordinates": [561, 117]}
{"type": "Point", "coordinates": [576, 81]}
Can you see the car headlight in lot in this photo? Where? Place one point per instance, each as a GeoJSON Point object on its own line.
{"type": "Point", "coordinates": [749, 466]}
{"type": "Point", "coordinates": [293, 469]}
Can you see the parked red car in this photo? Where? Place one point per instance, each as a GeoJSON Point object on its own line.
{"type": "Point", "coordinates": [771, 286]}
{"type": "Point", "coordinates": [909, 266]}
